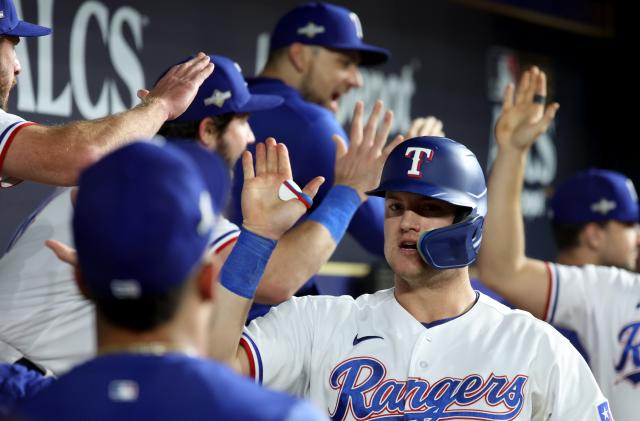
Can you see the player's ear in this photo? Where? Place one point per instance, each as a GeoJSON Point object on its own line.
{"type": "Point", "coordinates": [208, 134]}
{"type": "Point", "coordinates": [82, 286]}
{"type": "Point", "coordinates": [208, 278]}
{"type": "Point", "coordinates": [592, 236]}
{"type": "Point", "coordinates": [297, 54]}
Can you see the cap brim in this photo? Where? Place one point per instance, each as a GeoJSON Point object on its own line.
{"type": "Point", "coordinates": [259, 102]}
{"type": "Point", "coordinates": [369, 54]}
{"type": "Point", "coordinates": [26, 29]}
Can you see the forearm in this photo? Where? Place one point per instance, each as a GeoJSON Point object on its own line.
{"type": "Point", "coordinates": [238, 282]}
{"type": "Point", "coordinates": [503, 243]}
{"type": "Point", "coordinates": [299, 255]}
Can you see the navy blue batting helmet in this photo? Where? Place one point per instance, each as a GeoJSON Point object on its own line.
{"type": "Point", "coordinates": [446, 170]}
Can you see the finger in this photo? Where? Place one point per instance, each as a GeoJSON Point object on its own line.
{"type": "Point", "coordinates": [437, 128]}
{"type": "Point", "coordinates": [522, 87]}
{"type": "Point", "coordinates": [313, 186]}
{"type": "Point", "coordinates": [533, 83]}
{"type": "Point", "coordinates": [429, 124]}
{"type": "Point", "coordinates": [247, 165]}
{"type": "Point", "coordinates": [416, 124]}
{"type": "Point", "coordinates": [261, 159]}
{"type": "Point", "coordinates": [198, 65]}
{"type": "Point", "coordinates": [272, 156]}
{"type": "Point", "coordinates": [549, 115]}
{"type": "Point", "coordinates": [63, 252]}
{"type": "Point", "coordinates": [372, 123]}
{"type": "Point", "coordinates": [507, 97]}
{"type": "Point", "coordinates": [383, 133]}
{"type": "Point", "coordinates": [391, 146]}
{"type": "Point", "coordinates": [284, 164]}
{"type": "Point", "coordinates": [541, 85]}
{"type": "Point", "coordinates": [341, 146]}
{"type": "Point", "coordinates": [142, 93]}
{"type": "Point", "coordinates": [356, 123]}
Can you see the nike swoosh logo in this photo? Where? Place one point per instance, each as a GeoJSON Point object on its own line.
{"type": "Point", "coordinates": [357, 340]}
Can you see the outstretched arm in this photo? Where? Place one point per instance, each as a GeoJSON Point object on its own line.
{"type": "Point", "coordinates": [56, 155]}
{"type": "Point", "coordinates": [266, 219]}
{"type": "Point", "coordinates": [502, 263]}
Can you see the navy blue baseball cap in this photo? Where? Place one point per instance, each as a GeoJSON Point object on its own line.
{"type": "Point", "coordinates": [144, 217]}
{"type": "Point", "coordinates": [225, 91]}
{"type": "Point", "coordinates": [11, 25]}
{"type": "Point", "coordinates": [326, 25]}
{"type": "Point", "coordinates": [595, 195]}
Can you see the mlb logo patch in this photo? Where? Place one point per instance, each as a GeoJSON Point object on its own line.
{"type": "Point", "coordinates": [123, 391]}
{"type": "Point", "coordinates": [604, 412]}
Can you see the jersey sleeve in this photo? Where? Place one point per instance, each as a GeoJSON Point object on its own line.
{"type": "Point", "coordinates": [279, 345]}
{"type": "Point", "coordinates": [10, 125]}
{"type": "Point", "coordinates": [567, 383]}
{"type": "Point", "coordinates": [578, 295]}
{"type": "Point", "coordinates": [224, 234]}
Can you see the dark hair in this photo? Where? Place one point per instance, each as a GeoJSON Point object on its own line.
{"type": "Point", "coordinates": [144, 313]}
{"type": "Point", "coordinates": [189, 129]}
{"type": "Point", "coordinates": [567, 236]}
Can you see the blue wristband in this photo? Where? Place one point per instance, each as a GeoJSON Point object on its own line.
{"type": "Point", "coordinates": [336, 210]}
{"type": "Point", "coordinates": [242, 271]}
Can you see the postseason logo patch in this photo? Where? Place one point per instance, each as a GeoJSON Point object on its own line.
{"type": "Point", "coordinates": [604, 412]}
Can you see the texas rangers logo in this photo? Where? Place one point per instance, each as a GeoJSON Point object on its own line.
{"type": "Point", "coordinates": [217, 98]}
{"type": "Point", "coordinates": [417, 155]}
{"type": "Point", "coordinates": [628, 367]}
{"type": "Point", "coordinates": [311, 30]}
{"type": "Point", "coordinates": [364, 392]}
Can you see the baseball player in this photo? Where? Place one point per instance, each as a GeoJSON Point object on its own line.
{"type": "Point", "coordinates": [146, 269]}
{"type": "Point", "coordinates": [599, 302]}
{"type": "Point", "coordinates": [315, 52]}
{"type": "Point", "coordinates": [29, 151]}
{"type": "Point", "coordinates": [429, 349]}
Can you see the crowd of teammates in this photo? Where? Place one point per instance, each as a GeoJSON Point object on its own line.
{"type": "Point", "coordinates": [145, 310]}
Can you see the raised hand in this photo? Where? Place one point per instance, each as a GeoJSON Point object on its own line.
{"type": "Point", "coordinates": [524, 117]}
{"type": "Point", "coordinates": [360, 166]}
{"type": "Point", "coordinates": [177, 88]}
{"type": "Point", "coordinates": [263, 211]}
{"type": "Point", "coordinates": [427, 126]}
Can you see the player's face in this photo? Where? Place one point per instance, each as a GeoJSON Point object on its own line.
{"type": "Point", "coordinates": [406, 216]}
{"type": "Point", "coordinates": [235, 138]}
{"type": "Point", "coordinates": [620, 245]}
{"type": "Point", "coordinates": [330, 74]}
{"type": "Point", "coordinates": [9, 67]}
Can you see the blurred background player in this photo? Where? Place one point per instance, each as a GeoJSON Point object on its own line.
{"type": "Point", "coordinates": [600, 303]}
{"type": "Point", "coordinates": [144, 263]}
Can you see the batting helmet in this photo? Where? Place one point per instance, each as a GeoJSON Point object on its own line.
{"type": "Point", "coordinates": [446, 170]}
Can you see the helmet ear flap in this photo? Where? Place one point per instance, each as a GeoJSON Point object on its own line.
{"type": "Point", "coordinates": [452, 246]}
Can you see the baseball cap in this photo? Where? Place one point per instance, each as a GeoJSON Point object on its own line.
{"type": "Point", "coordinates": [595, 195]}
{"type": "Point", "coordinates": [11, 25]}
{"type": "Point", "coordinates": [144, 217]}
{"type": "Point", "coordinates": [225, 91]}
{"type": "Point", "coordinates": [326, 25]}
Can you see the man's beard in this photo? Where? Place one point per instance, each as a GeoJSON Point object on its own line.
{"type": "Point", "coordinates": [5, 89]}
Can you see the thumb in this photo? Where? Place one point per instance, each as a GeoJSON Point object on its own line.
{"type": "Point", "coordinates": [341, 146]}
{"type": "Point", "coordinates": [313, 186]}
{"type": "Point", "coordinates": [63, 252]}
{"type": "Point", "coordinates": [142, 93]}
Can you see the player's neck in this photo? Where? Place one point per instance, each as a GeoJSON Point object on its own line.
{"type": "Point", "coordinates": [451, 296]}
{"type": "Point", "coordinates": [163, 339]}
{"type": "Point", "coordinates": [577, 256]}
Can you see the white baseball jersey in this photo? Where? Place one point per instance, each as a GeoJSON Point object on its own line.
{"type": "Point", "coordinates": [602, 304]}
{"type": "Point", "coordinates": [368, 358]}
{"type": "Point", "coordinates": [10, 125]}
{"type": "Point", "coordinates": [42, 313]}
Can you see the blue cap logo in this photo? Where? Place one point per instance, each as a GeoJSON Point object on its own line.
{"type": "Point", "coordinates": [217, 98]}
{"type": "Point", "coordinates": [311, 30]}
